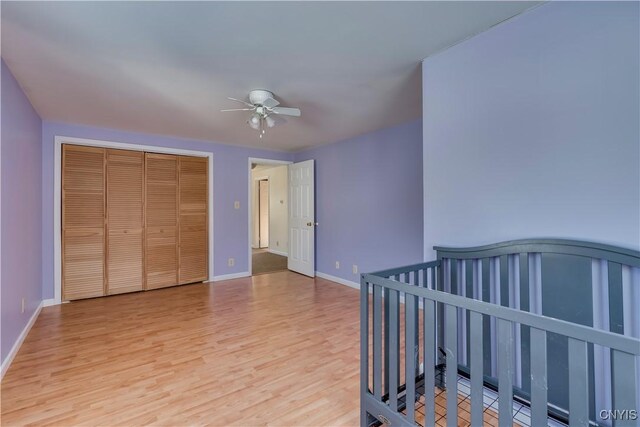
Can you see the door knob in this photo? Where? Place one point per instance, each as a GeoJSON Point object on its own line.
{"type": "Point", "coordinates": [311, 223]}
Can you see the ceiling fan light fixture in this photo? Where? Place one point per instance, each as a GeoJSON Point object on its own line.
{"type": "Point", "coordinates": [262, 103]}
{"type": "Point", "coordinates": [270, 122]}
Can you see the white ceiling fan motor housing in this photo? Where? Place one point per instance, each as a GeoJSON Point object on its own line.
{"type": "Point", "coordinates": [258, 96]}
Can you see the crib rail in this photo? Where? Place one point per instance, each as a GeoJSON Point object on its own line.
{"type": "Point", "coordinates": [400, 354]}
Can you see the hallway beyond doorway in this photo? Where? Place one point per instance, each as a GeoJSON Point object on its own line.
{"type": "Point", "coordinates": [266, 262]}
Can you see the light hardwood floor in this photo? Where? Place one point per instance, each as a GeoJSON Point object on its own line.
{"type": "Point", "coordinates": [275, 349]}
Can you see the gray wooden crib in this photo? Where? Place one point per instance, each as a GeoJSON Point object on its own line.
{"type": "Point", "coordinates": [550, 325]}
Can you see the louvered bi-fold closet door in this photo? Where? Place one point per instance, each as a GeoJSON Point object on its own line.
{"type": "Point", "coordinates": [83, 205]}
{"type": "Point", "coordinates": [125, 221]}
{"type": "Point", "coordinates": [161, 216]}
{"type": "Point", "coordinates": [193, 236]}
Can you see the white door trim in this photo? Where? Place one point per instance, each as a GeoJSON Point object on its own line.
{"type": "Point", "coordinates": [256, 185]}
{"type": "Point", "coordinates": [57, 194]}
{"type": "Point", "coordinates": [249, 199]}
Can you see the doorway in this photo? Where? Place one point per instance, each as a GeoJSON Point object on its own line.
{"type": "Point", "coordinates": [268, 222]}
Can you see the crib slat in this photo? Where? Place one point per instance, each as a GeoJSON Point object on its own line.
{"type": "Point", "coordinates": [624, 388]}
{"type": "Point", "coordinates": [393, 350]}
{"type": "Point", "coordinates": [477, 279]}
{"type": "Point", "coordinates": [461, 289]}
{"type": "Point", "coordinates": [469, 265]}
{"type": "Point", "coordinates": [578, 386]}
{"type": "Point", "coordinates": [524, 280]}
{"type": "Point", "coordinates": [494, 297]}
{"type": "Point", "coordinates": [433, 279]}
{"type": "Point", "coordinates": [538, 349]}
{"type": "Point", "coordinates": [601, 355]}
{"type": "Point", "coordinates": [535, 283]}
{"type": "Point", "coordinates": [505, 372]}
{"type": "Point", "coordinates": [453, 278]}
{"type": "Point", "coordinates": [409, 355]}
{"type": "Point", "coordinates": [616, 320]}
{"type": "Point", "coordinates": [514, 302]}
{"type": "Point", "coordinates": [385, 337]}
{"type": "Point", "coordinates": [364, 347]}
{"type": "Point", "coordinates": [441, 285]}
{"type": "Point", "coordinates": [377, 341]}
{"type": "Point", "coordinates": [476, 368]}
{"type": "Point", "coordinates": [429, 350]}
{"type": "Point", "coordinates": [451, 331]}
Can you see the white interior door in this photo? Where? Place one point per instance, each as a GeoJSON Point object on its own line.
{"type": "Point", "coordinates": [302, 218]}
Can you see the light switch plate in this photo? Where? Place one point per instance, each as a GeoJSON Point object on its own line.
{"type": "Point", "coordinates": [236, 205]}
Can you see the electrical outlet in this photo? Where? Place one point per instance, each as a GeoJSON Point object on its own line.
{"type": "Point", "coordinates": [236, 205]}
{"type": "Point", "coordinates": [354, 269]}
{"type": "Point", "coordinates": [337, 265]}
{"type": "Point", "coordinates": [22, 306]}
{"type": "Point", "coordinates": [231, 262]}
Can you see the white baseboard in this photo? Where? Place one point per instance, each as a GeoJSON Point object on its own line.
{"type": "Point", "coordinates": [49, 302]}
{"type": "Point", "coordinates": [273, 251]}
{"type": "Point", "coordinates": [16, 346]}
{"type": "Point", "coordinates": [340, 280]}
{"type": "Point", "coordinates": [230, 276]}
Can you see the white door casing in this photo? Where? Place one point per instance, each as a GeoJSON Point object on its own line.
{"type": "Point", "coordinates": [252, 203]}
{"type": "Point", "coordinates": [302, 218]}
{"type": "Point", "coordinates": [263, 213]}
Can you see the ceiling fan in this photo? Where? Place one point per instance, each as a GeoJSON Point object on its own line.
{"type": "Point", "coordinates": [265, 110]}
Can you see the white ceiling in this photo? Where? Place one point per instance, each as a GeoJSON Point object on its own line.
{"type": "Point", "coordinates": [167, 67]}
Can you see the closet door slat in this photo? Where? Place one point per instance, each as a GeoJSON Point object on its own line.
{"type": "Point", "coordinates": [83, 200]}
{"type": "Point", "coordinates": [193, 235]}
{"type": "Point", "coordinates": [125, 221]}
{"type": "Point", "coordinates": [161, 193]}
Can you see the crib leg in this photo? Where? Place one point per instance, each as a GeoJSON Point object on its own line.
{"type": "Point", "coordinates": [366, 419]}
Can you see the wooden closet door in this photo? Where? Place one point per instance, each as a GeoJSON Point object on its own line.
{"type": "Point", "coordinates": [161, 208]}
{"type": "Point", "coordinates": [125, 221]}
{"type": "Point", "coordinates": [193, 230]}
{"type": "Point", "coordinates": [83, 200]}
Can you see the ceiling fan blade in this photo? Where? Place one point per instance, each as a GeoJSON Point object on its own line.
{"type": "Point", "coordinates": [241, 101]}
{"type": "Point", "coordinates": [238, 109]}
{"type": "Point", "coordinates": [270, 103]}
{"type": "Point", "coordinates": [278, 120]}
{"type": "Point", "coordinates": [286, 111]}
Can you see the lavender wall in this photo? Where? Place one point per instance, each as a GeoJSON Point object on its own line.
{"type": "Point", "coordinates": [230, 182]}
{"type": "Point", "coordinates": [21, 205]}
{"type": "Point", "coordinates": [369, 201]}
{"type": "Point", "coordinates": [531, 129]}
